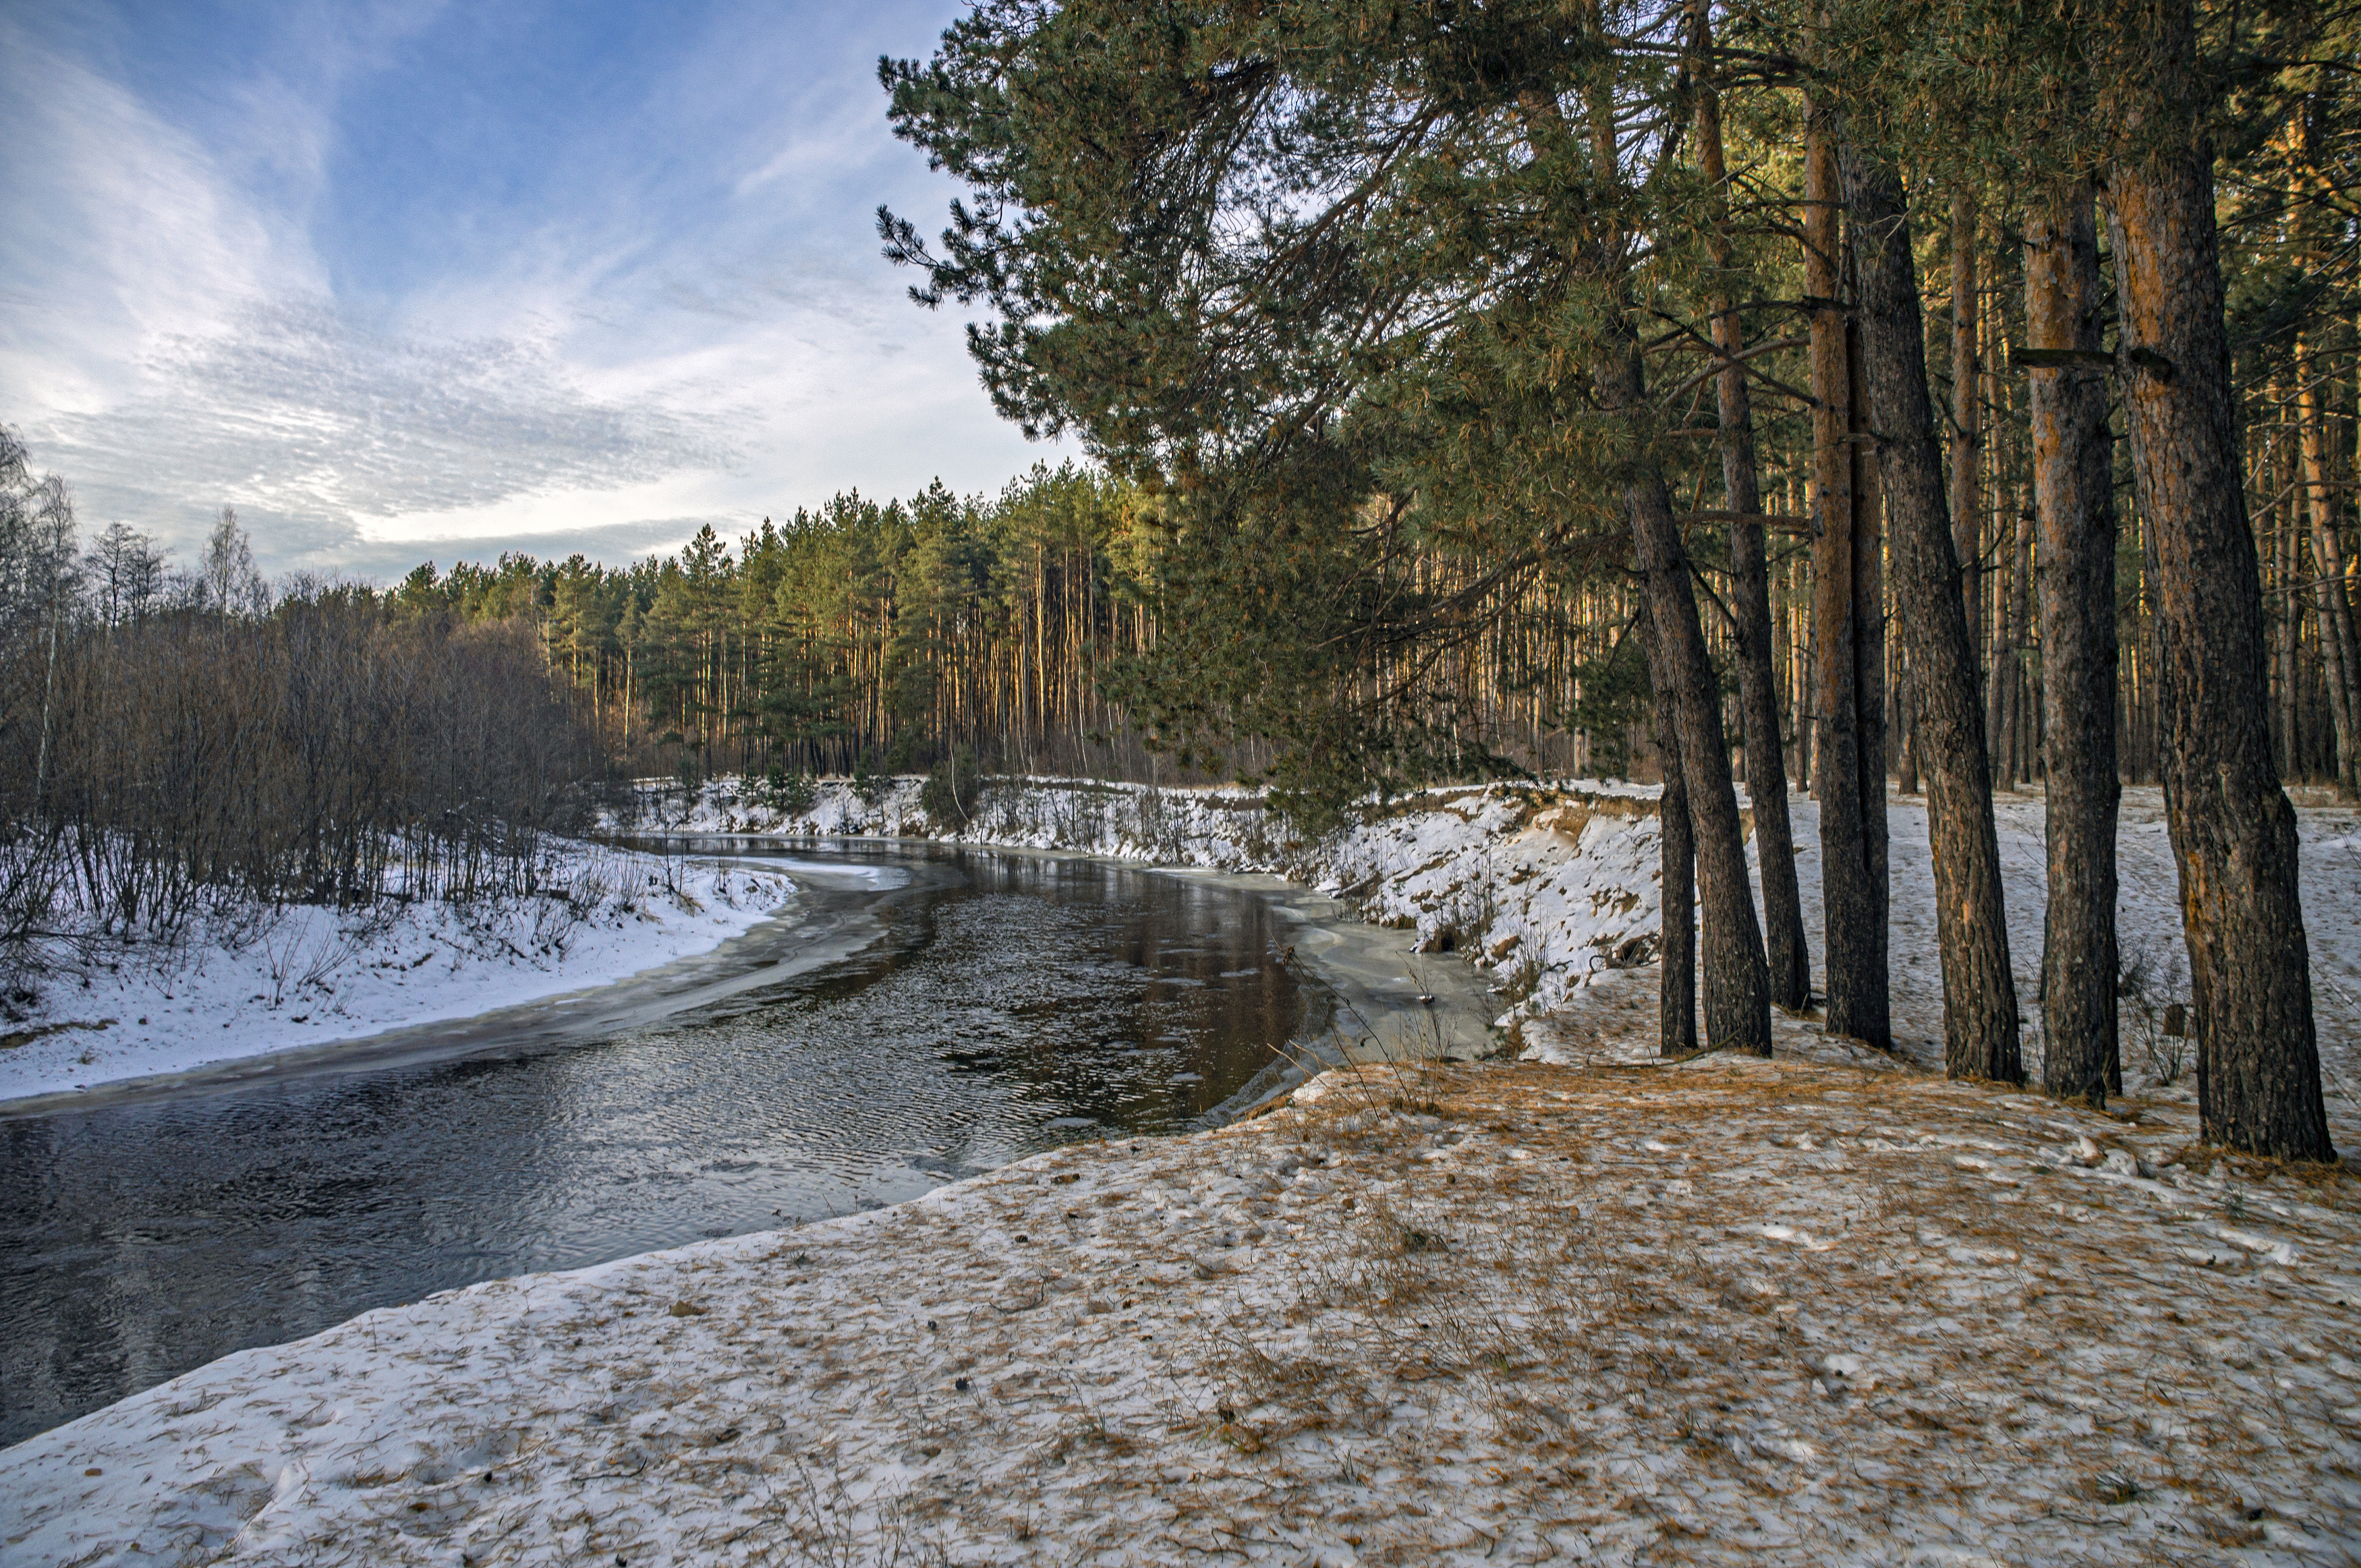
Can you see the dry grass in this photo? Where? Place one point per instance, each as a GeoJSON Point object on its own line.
{"type": "Point", "coordinates": [1719, 1290]}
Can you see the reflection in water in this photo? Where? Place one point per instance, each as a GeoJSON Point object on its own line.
{"type": "Point", "coordinates": [1037, 1003]}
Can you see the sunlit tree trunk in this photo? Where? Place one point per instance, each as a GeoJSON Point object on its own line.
{"type": "Point", "coordinates": [1850, 903]}
{"type": "Point", "coordinates": [1980, 1023]}
{"type": "Point", "coordinates": [2340, 657]}
{"type": "Point", "coordinates": [2234, 832]}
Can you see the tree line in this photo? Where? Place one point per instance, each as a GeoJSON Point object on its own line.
{"type": "Point", "coordinates": [201, 743]}
{"type": "Point", "coordinates": [881, 635]}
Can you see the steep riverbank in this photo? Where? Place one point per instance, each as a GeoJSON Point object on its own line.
{"type": "Point", "coordinates": [1540, 887]}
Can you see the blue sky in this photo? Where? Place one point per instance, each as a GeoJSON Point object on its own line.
{"type": "Point", "coordinates": [409, 280]}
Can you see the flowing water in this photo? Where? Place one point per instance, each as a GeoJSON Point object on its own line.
{"type": "Point", "coordinates": [1008, 1004]}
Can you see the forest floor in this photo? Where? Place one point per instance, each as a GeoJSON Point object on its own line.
{"type": "Point", "coordinates": [1614, 1013]}
{"type": "Point", "coordinates": [1823, 1309]}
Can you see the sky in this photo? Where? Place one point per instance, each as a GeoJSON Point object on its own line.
{"type": "Point", "coordinates": [404, 281]}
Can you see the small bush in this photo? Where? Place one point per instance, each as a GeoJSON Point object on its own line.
{"type": "Point", "coordinates": [949, 795]}
{"type": "Point", "coordinates": [791, 793]}
{"type": "Point", "coordinates": [2150, 1021]}
{"type": "Point", "coordinates": [870, 785]}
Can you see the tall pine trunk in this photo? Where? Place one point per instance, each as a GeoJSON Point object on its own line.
{"type": "Point", "coordinates": [1758, 680]}
{"type": "Point", "coordinates": [1737, 982]}
{"type": "Point", "coordinates": [2000, 696]}
{"type": "Point", "coordinates": [1737, 988]}
{"type": "Point", "coordinates": [1869, 654]}
{"type": "Point", "coordinates": [2286, 630]}
{"type": "Point", "coordinates": [2073, 490]}
{"type": "Point", "coordinates": [1966, 424]}
{"type": "Point", "coordinates": [1677, 995]}
{"type": "Point", "coordinates": [1980, 1023]}
{"type": "Point", "coordinates": [2233, 833]}
{"type": "Point", "coordinates": [2340, 657]}
{"type": "Point", "coordinates": [2340, 651]}
{"type": "Point", "coordinates": [1851, 905]}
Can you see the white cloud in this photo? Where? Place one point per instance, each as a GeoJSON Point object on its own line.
{"type": "Point", "coordinates": [321, 435]}
{"type": "Point", "coordinates": [171, 341]}
{"type": "Point", "coordinates": [120, 231]}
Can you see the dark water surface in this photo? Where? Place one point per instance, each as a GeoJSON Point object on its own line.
{"type": "Point", "coordinates": [1013, 1003]}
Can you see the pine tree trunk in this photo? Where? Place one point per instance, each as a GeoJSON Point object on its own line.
{"type": "Point", "coordinates": [1907, 769]}
{"type": "Point", "coordinates": [1966, 424]}
{"type": "Point", "coordinates": [1980, 1023]}
{"type": "Point", "coordinates": [2233, 833]}
{"type": "Point", "coordinates": [1853, 930]}
{"type": "Point", "coordinates": [2073, 488]}
{"type": "Point", "coordinates": [2287, 629]}
{"type": "Point", "coordinates": [2340, 651]}
{"type": "Point", "coordinates": [1737, 982]}
{"type": "Point", "coordinates": [1869, 658]}
{"type": "Point", "coordinates": [1999, 697]}
{"type": "Point", "coordinates": [2028, 684]}
{"type": "Point", "coordinates": [1806, 722]}
{"type": "Point", "coordinates": [1758, 681]}
{"type": "Point", "coordinates": [1737, 986]}
{"type": "Point", "coordinates": [2340, 658]}
{"type": "Point", "coordinates": [1677, 994]}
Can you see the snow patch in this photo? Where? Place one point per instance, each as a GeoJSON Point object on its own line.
{"type": "Point", "coordinates": [266, 981]}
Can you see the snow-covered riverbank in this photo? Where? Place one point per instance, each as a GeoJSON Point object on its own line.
{"type": "Point", "coordinates": [1600, 1018]}
{"type": "Point", "coordinates": [1542, 887]}
{"type": "Point", "coordinates": [304, 977]}
{"type": "Point", "coordinates": [1547, 886]}
{"type": "Point", "coordinates": [1551, 890]}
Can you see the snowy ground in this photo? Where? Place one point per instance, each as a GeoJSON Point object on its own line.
{"type": "Point", "coordinates": [1603, 1020]}
{"type": "Point", "coordinates": [1729, 1312]}
{"type": "Point", "coordinates": [309, 976]}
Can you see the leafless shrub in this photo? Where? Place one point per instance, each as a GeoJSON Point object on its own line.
{"type": "Point", "coordinates": [1463, 923]}
{"type": "Point", "coordinates": [1521, 975]}
{"type": "Point", "coordinates": [305, 948]}
{"type": "Point", "coordinates": [157, 763]}
{"type": "Point", "coordinates": [2150, 975]}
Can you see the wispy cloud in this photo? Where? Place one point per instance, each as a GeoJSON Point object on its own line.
{"type": "Point", "coordinates": [675, 319]}
{"type": "Point", "coordinates": [320, 429]}
{"type": "Point", "coordinates": [121, 229]}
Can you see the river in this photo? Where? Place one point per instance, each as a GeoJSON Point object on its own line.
{"type": "Point", "coordinates": [919, 1016]}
